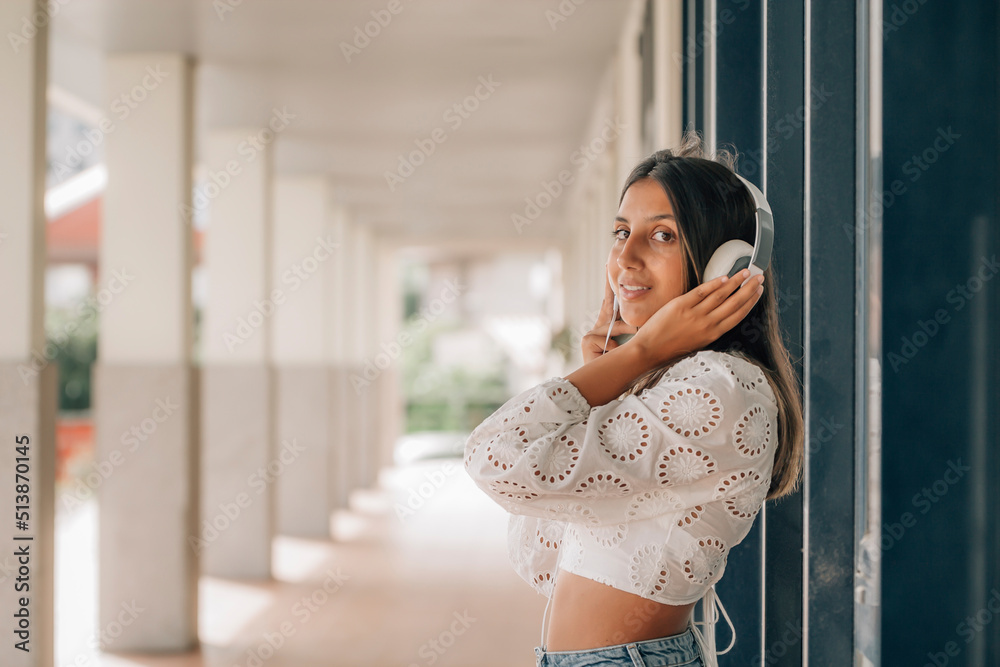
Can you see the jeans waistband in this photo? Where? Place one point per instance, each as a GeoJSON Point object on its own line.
{"type": "Point", "coordinates": [679, 649]}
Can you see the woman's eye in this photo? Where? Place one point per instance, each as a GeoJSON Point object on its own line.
{"type": "Point", "coordinates": [670, 235]}
{"type": "Point", "coordinates": [616, 233]}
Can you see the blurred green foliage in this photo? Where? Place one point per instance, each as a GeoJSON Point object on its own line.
{"type": "Point", "coordinates": [71, 340]}
{"type": "Point", "coordinates": [445, 398]}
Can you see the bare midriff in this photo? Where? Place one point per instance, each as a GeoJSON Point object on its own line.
{"type": "Point", "coordinates": [586, 614]}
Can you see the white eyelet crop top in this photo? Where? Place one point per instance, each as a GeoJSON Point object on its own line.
{"type": "Point", "coordinates": [646, 494]}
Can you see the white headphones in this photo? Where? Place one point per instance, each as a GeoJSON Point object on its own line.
{"type": "Point", "coordinates": [729, 258]}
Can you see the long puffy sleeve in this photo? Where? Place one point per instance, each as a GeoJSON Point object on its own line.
{"type": "Point", "coordinates": [704, 433]}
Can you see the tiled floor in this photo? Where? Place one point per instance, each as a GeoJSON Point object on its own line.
{"type": "Point", "coordinates": [396, 589]}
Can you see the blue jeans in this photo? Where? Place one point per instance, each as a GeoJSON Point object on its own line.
{"type": "Point", "coordinates": [674, 651]}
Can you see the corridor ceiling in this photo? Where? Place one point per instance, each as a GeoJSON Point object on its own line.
{"type": "Point", "coordinates": [365, 85]}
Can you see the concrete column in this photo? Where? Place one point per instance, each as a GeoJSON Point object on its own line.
{"type": "Point", "coordinates": [628, 97]}
{"type": "Point", "coordinates": [339, 338]}
{"type": "Point", "coordinates": [668, 72]}
{"type": "Point", "coordinates": [365, 307]}
{"type": "Point", "coordinates": [360, 374]}
{"type": "Point", "coordinates": [304, 253]}
{"type": "Point", "coordinates": [146, 392]}
{"type": "Point", "coordinates": [27, 378]}
{"type": "Point", "coordinates": [237, 524]}
{"type": "Point", "coordinates": [387, 318]}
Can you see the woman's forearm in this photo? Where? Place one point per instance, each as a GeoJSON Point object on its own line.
{"type": "Point", "coordinates": [604, 379]}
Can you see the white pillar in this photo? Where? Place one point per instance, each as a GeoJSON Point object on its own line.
{"type": "Point", "coordinates": [27, 374]}
{"type": "Point", "coordinates": [365, 307]}
{"type": "Point", "coordinates": [628, 102]}
{"type": "Point", "coordinates": [358, 352]}
{"type": "Point", "coordinates": [145, 395]}
{"type": "Point", "coordinates": [305, 252]}
{"type": "Point", "coordinates": [668, 72]}
{"type": "Point", "coordinates": [236, 526]}
{"type": "Point", "coordinates": [340, 339]}
{"type": "Point", "coordinates": [387, 319]}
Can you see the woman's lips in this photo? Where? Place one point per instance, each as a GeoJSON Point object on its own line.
{"type": "Point", "coordinates": [630, 295]}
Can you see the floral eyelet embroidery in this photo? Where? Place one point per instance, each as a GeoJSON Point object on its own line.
{"type": "Point", "coordinates": [513, 490]}
{"type": "Point", "coordinates": [690, 516]}
{"type": "Point", "coordinates": [548, 535]}
{"type": "Point", "coordinates": [553, 463]}
{"type": "Point", "coordinates": [561, 395]}
{"type": "Point", "coordinates": [689, 369]}
{"type": "Point", "coordinates": [692, 412]}
{"type": "Point", "coordinates": [746, 505]}
{"type": "Point", "coordinates": [572, 512]}
{"type": "Point", "coordinates": [735, 483]}
{"type": "Point", "coordinates": [681, 464]}
{"type": "Point", "coordinates": [703, 559]}
{"type": "Point", "coordinates": [543, 579]}
{"type": "Point", "coordinates": [647, 572]}
{"type": "Point", "coordinates": [609, 537]}
{"type": "Point", "coordinates": [504, 450]}
{"type": "Point", "coordinates": [752, 434]}
{"type": "Point", "coordinates": [653, 503]}
{"type": "Point", "coordinates": [602, 484]}
{"type": "Point", "coordinates": [625, 436]}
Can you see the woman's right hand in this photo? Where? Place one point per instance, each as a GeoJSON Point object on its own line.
{"type": "Point", "coordinates": [592, 343]}
{"type": "Point", "coordinates": [691, 321]}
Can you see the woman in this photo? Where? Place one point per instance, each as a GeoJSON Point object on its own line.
{"type": "Point", "coordinates": [629, 480]}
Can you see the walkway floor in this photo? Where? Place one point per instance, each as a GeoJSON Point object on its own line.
{"type": "Point", "coordinates": [427, 587]}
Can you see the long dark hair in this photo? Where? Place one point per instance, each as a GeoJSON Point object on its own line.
{"type": "Point", "coordinates": [712, 206]}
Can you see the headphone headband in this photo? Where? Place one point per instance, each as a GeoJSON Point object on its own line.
{"type": "Point", "coordinates": [764, 236]}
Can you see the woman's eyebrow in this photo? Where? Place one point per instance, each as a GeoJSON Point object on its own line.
{"type": "Point", "coordinates": [652, 218]}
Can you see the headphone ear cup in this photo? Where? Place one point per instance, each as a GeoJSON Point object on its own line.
{"type": "Point", "coordinates": [730, 258]}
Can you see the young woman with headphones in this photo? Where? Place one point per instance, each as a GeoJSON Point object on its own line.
{"type": "Point", "coordinates": [630, 480]}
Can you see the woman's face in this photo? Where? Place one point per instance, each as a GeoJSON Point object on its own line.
{"type": "Point", "coordinates": [646, 253]}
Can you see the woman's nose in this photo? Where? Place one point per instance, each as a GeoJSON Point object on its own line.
{"type": "Point", "coordinates": [631, 255]}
